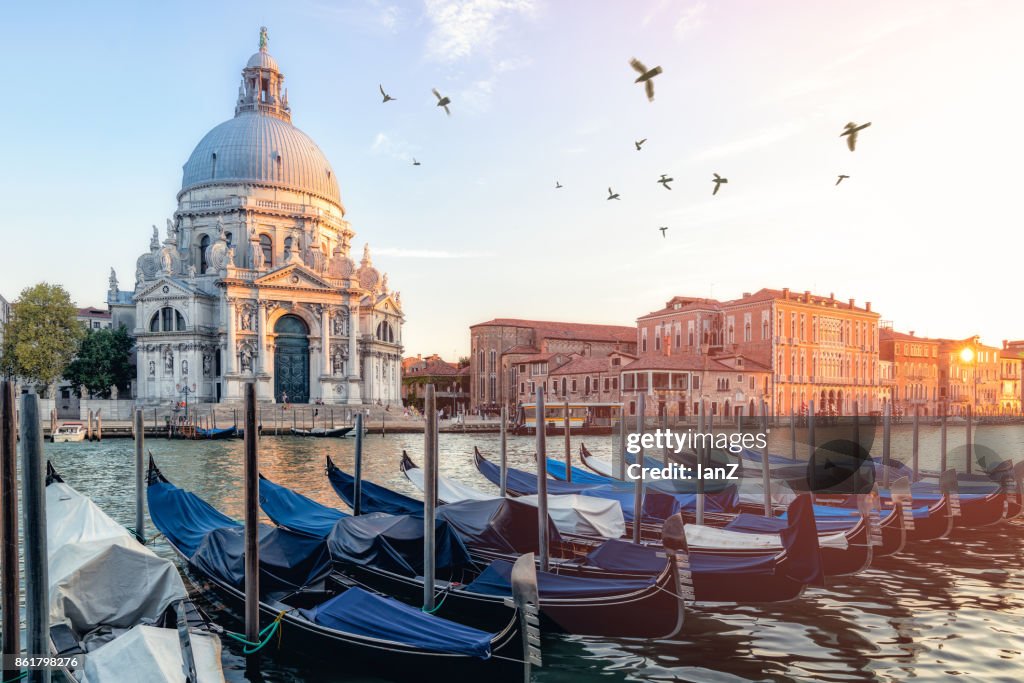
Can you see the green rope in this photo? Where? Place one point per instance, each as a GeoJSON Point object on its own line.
{"type": "Point", "coordinates": [437, 606]}
{"type": "Point", "coordinates": [20, 676]}
{"type": "Point", "coordinates": [266, 635]}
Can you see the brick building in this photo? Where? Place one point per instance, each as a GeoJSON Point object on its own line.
{"type": "Point", "coordinates": [451, 383]}
{"type": "Point", "coordinates": [915, 371]}
{"type": "Point", "coordinates": [500, 347]}
{"type": "Point", "coordinates": [970, 375]}
{"type": "Point", "coordinates": [814, 347]}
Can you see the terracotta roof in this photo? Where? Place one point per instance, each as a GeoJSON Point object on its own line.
{"type": "Point", "coordinates": [536, 357]}
{"type": "Point", "coordinates": [584, 365]}
{"type": "Point", "coordinates": [764, 294]}
{"type": "Point", "coordinates": [691, 362]}
{"type": "Point", "coordinates": [93, 313]}
{"type": "Point", "coordinates": [434, 368]}
{"type": "Point", "coordinates": [565, 330]}
{"type": "Point", "coordinates": [888, 334]}
{"type": "Point", "coordinates": [521, 348]}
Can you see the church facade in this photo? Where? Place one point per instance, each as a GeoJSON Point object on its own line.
{"type": "Point", "coordinates": [254, 279]}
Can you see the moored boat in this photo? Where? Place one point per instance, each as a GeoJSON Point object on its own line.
{"type": "Point", "coordinates": [68, 432]}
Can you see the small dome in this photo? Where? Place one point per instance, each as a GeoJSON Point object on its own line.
{"type": "Point", "coordinates": [262, 60]}
{"type": "Point", "coordinates": [261, 149]}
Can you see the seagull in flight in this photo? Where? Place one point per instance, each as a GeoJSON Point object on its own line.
{"type": "Point", "coordinates": [613, 195]}
{"type": "Point", "coordinates": [558, 185]}
{"type": "Point", "coordinates": [850, 131]}
{"type": "Point", "coordinates": [645, 76]}
{"type": "Point", "coordinates": [415, 163]}
{"type": "Point", "coordinates": [718, 182]}
{"type": "Point", "coordinates": [443, 101]}
{"type": "Point", "coordinates": [842, 178]}
{"type": "Point", "coordinates": [665, 180]}
{"type": "Point", "coordinates": [387, 97]}
{"type": "Point", "coordinates": [639, 143]}
{"type": "Point", "coordinates": [663, 229]}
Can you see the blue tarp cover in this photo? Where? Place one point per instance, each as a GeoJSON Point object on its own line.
{"type": "Point", "coordinates": [374, 498]}
{"type": "Point", "coordinates": [183, 517]}
{"type": "Point", "coordinates": [622, 556]}
{"type": "Point", "coordinates": [287, 560]}
{"type": "Point", "coordinates": [297, 512]}
{"type": "Point", "coordinates": [502, 524]}
{"type": "Point", "coordinates": [361, 612]}
{"type": "Point", "coordinates": [656, 507]}
{"type": "Point", "coordinates": [394, 543]}
{"type": "Point", "coordinates": [496, 580]}
{"type": "Point", "coordinates": [759, 524]}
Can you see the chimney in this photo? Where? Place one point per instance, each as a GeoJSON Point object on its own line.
{"type": "Point", "coordinates": [785, 293]}
{"type": "Point", "coordinates": [807, 296]}
{"type": "Point", "coordinates": [851, 302]}
{"type": "Point", "coordinates": [831, 296]}
{"type": "Point", "coordinates": [911, 333]}
{"type": "Point", "coordinates": [746, 295]}
{"type": "Point", "coordinates": [867, 306]}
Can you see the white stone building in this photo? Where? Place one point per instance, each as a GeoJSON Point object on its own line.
{"type": "Point", "coordinates": [254, 280]}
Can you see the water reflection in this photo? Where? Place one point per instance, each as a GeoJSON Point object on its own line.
{"type": "Point", "coordinates": [944, 606]}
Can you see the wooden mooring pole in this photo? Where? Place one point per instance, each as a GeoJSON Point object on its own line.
{"type": "Point", "coordinates": [9, 570]}
{"type": "Point", "coordinates": [33, 472]}
{"type": "Point", "coordinates": [251, 502]}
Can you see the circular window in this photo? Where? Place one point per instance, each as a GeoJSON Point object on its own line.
{"type": "Point", "coordinates": [166, 289]}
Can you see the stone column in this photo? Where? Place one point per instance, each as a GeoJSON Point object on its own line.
{"type": "Point", "coordinates": [325, 340]}
{"type": "Point", "coordinates": [261, 339]}
{"type": "Point", "coordinates": [229, 327]}
{"type": "Point", "coordinates": [354, 394]}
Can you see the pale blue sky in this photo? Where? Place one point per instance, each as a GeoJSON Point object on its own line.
{"type": "Point", "coordinates": [104, 103]}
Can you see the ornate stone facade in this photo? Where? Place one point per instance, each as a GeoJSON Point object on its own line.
{"type": "Point", "coordinates": [253, 280]}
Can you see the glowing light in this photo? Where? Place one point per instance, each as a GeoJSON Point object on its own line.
{"type": "Point", "coordinates": [967, 354]}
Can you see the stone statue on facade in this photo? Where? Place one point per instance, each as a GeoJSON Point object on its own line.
{"type": "Point", "coordinates": [245, 320]}
{"type": "Point", "coordinates": [112, 283]}
{"type": "Point", "coordinates": [166, 261]}
{"type": "Point", "coordinates": [169, 362]}
{"type": "Point", "coordinates": [154, 241]}
{"type": "Point", "coordinates": [246, 361]}
{"type": "Point", "coordinates": [207, 363]}
{"type": "Point", "coordinates": [152, 368]}
{"type": "Point", "coordinates": [184, 368]}
{"type": "Point", "coordinates": [192, 271]}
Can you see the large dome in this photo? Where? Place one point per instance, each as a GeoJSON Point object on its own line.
{"type": "Point", "coordinates": [255, 147]}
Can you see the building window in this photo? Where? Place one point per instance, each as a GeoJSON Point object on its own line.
{"type": "Point", "coordinates": [615, 383]}
{"type": "Point", "coordinates": [267, 247]}
{"type": "Point", "coordinates": [573, 385]}
{"type": "Point", "coordinates": [385, 332]}
{"type": "Point", "coordinates": [167, 319]}
{"type": "Point", "coordinates": [696, 382]}
{"type": "Point", "coordinates": [204, 243]}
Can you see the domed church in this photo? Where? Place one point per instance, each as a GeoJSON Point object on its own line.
{"type": "Point", "coordinates": [254, 280]}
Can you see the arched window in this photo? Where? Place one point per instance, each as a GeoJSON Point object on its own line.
{"type": "Point", "coordinates": [167, 320]}
{"type": "Point", "coordinates": [227, 238]}
{"type": "Point", "coordinates": [385, 332]}
{"type": "Point", "coordinates": [267, 247]}
{"type": "Point", "coordinates": [204, 242]}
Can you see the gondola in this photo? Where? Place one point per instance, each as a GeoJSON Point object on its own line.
{"type": "Point", "coordinates": [385, 552]}
{"type": "Point", "coordinates": [115, 603]}
{"type": "Point", "coordinates": [323, 432]}
{"type": "Point", "coordinates": [739, 575]}
{"type": "Point", "coordinates": [215, 433]}
{"type": "Point", "coordinates": [321, 611]}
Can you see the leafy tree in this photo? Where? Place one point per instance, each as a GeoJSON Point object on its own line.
{"type": "Point", "coordinates": [103, 361]}
{"type": "Point", "coordinates": [42, 336]}
{"type": "Point", "coordinates": [463, 362]}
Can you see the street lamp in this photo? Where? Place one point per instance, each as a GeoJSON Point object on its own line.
{"type": "Point", "coordinates": [185, 391]}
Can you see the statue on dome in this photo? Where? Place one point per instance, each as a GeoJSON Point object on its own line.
{"type": "Point", "coordinates": [263, 38]}
{"type": "Point", "coordinates": [112, 282]}
{"type": "Point", "coordinates": [154, 241]}
{"type": "Point", "coordinates": [384, 284]}
{"type": "Point", "coordinates": [366, 255]}
{"type": "Point", "coordinates": [172, 231]}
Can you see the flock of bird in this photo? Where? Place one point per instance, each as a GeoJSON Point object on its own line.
{"type": "Point", "coordinates": [850, 132]}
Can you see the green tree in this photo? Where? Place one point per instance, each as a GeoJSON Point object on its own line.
{"type": "Point", "coordinates": [42, 336]}
{"type": "Point", "coordinates": [463, 362]}
{"type": "Point", "coordinates": [103, 361]}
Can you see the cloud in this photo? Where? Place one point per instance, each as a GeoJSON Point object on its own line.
{"type": "Point", "coordinates": [393, 147]}
{"type": "Point", "coordinates": [690, 20]}
{"type": "Point", "coordinates": [429, 253]}
{"type": "Point", "coordinates": [463, 27]}
{"type": "Point", "coordinates": [762, 138]}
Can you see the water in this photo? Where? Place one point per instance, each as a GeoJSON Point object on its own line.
{"type": "Point", "coordinates": [945, 609]}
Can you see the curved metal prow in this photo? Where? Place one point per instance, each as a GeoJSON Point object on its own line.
{"type": "Point", "coordinates": [526, 600]}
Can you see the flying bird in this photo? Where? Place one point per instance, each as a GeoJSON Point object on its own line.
{"type": "Point", "coordinates": [646, 76]}
{"type": "Point", "coordinates": [663, 229]}
{"type": "Point", "coordinates": [665, 180]}
{"type": "Point", "coordinates": [718, 182]}
{"type": "Point", "coordinates": [387, 97]}
{"type": "Point", "coordinates": [639, 144]}
{"type": "Point", "coordinates": [443, 101]}
{"type": "Point", "coordinates": [558, 185]}
{"type": "Point", "coordinates": [842, 178]}
{"type": "Point", "coordinates": [415, 163]}
{"type": "Point", "coordinates": [613, 195]}
{"type": "Point", "coordinates": [850, 131]}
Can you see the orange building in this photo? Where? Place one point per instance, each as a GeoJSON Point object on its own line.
{"type": "Point", "coordinates": [970, 375]}
{"type": "Point", "coordinates": [915, 371]}
{"type": "Point", "coordinates": [1010, 362]}
{"type": "Point", "coordinates": [817, 348]}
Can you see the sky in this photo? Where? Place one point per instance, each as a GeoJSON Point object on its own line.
{"type": "Point", "coordinates": [105, 102]}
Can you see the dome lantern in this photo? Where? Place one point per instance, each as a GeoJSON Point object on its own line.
{"type": "Point", "coordinates": [261, 89]}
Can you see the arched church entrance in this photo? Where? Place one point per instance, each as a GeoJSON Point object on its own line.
{"type": "Point", "coordinates": [291, 360]}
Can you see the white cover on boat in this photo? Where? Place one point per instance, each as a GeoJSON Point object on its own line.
{"type": "Point", "coordinates": [151, 654]}
{"type": "Point", "coordinates": [571, 514]}
{"type": "Point", "coordinates": [751, 492]}
{"type": "Point", "coordinates": [99, 574]}
{"type": "Point", "coordinates": [721, 539]}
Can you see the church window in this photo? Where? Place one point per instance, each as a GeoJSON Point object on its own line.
{"type": "Point", "coordinates": [227, 238]}
{"type": "Point", "coordinates": [385, 332]}
{"type": "Point", "coordinates": [213, 169]}
{"type": "Point", "coordinates": [267, 247]}
{"type": "Point", "coordinates": [204, 242]}
{"type": "Point", "coordinates": [167, 320]}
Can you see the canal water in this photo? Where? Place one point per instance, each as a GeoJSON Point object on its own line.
{"type": "Point", "coordinates": [939, 611]}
